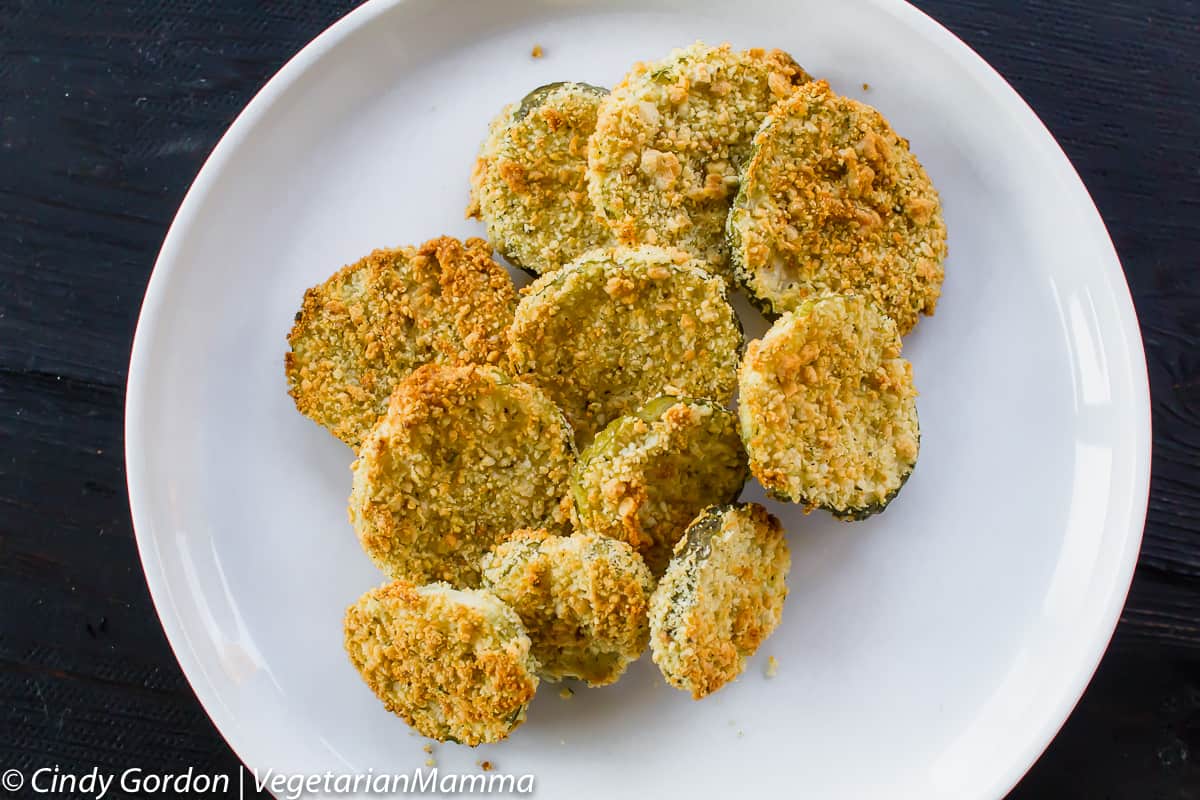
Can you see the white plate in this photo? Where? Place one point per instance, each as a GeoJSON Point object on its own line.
{"type": "Point", "coordinates": [928, 653]}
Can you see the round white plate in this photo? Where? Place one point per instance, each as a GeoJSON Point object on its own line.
{"type": "Point", "coordinates": [931, 652]}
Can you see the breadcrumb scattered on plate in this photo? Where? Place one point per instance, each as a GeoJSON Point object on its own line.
{"type": "Point", "coordinates": [537, 51]}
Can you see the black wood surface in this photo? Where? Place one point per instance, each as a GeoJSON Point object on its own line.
{"type": "Point", "coordinates": [107, 111]}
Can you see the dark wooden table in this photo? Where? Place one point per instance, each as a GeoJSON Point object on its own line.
{"type": "Point", "coordinates": [107, 111]}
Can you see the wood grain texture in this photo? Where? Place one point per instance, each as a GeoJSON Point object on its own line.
{"type": "Point", "coordinates": [107, 111]}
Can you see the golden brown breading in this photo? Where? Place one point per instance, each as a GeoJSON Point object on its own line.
{"type": "Point", "coordinates": [720, 598]}
{"type": "Point", "coordinates": [583, 599]}
{"type": "Point", "coordinates": [648, 474]}
{"type": "Point", "coordinates": [487, 152]}
{"type": "Point", "coordinates": [828, 409]}
{"type": "Point", "coordinates": [529, 184]}
{"type": "Point", "coordinates": [375, 321]}
{"type": "Point", "coordinates": [455, 665]}
{"type": "Point", "coordinates": [463, 457]}
{"type": "Point", "coordinates": [833, 201]}
{"type": "Point", "coordinates": [618, 327]}
{"type": "Point", "coordinates": [671, 138]}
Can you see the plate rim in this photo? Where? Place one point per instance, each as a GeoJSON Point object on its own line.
{"type": "Point", "coordinates": [295, 67]}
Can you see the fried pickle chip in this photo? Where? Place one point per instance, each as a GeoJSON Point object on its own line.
{"type": "Point", "coordinates": [366, 328]}
{"type": "Point", "coordinates": [618, 327]}
{"type": "Point", "coordinates": [463, 457]}
{"type": "Point", "coordinates": [583, 599]}
{"type": "Point", "coordinates": [828, 409]}
{"type": "Point", "coordinates": [671, 139]}
{"type": "Point", "coordinates": [648, 474]}
{"type": "Point", "coordinates": [720, 598]}
{"type": "Point", "coordinates": [454, 664]}
{"type": "Point", "coordinates": [833, 201]}
{"type": "Point", "coordinates": [529, 184]}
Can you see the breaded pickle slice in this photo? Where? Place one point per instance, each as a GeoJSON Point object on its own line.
{"type": "Point", "coordinates": [583, 599]}
{"type": "Point", "coordinates": [671, 139]}
{"type": "Point", "coordinates": [648, 474]}
{"type": "Point", "coordinates": [720, 598]}
{"type": "Point", "coordinates": [617, 327]}
{"type": "Point", "coordinates": [833, 201]}
{"type": "Point", "coordinates": [530, 186]}
{"type": "Point", "coordinates": [487, 154]}
{"type": "Point", "coordinates": [828, 409]}
{"type": "Point", "coordinates": [454, 664]}
{"type": "Point", "coordinates": [463, 457]}
{"type": "Point", "coordinates": [366, 328]}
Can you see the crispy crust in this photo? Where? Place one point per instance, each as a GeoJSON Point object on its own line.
{"type": "Point", "coordinates": [487, 153]}
{"type": "Point", "coordinates": [720, 598]}
{"type": "Point", "coordinates": [366, 328]}
{"type": "Point", "coordinates": [455, 665]}
{"type": "Point", "coordinates": [833, 201]}
{"type": "Point", "coordinates": [671, 138]}
{"type": "Point", "coordinates": [828, 409]}
{"type": "Point", "coordinates": [583, 598]}
{"type": "Point", "coordinates": [463, 457]}
{"type": "Point", "coordinates": [617, 327]}
{"type": "Point", "coordinates": [648, 474]}
{"type": "Point", "coordinates": [529, 184]}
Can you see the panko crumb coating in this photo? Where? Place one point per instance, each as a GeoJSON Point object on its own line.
{"type": "Point", "coordinates": [828, 408]}
{"type": "Point", "coordinates": [529, 184]}
{"type": "Point", "coordinates": [672, 138]}
{"type": "Point", "coordinates": [463, 457]}
{"type": "Point", "coordinates": [720, 598]}
{"type": "Point", "coordinates": [583, 599]}
{"type": "Point", "coordinates": [833, 201]}
{"type": "Point", "coordinates": [487, 154]}
{"type": "Point", "coordinates": [648, 474]}
{"type": "Point", "coordinates": [618, 327]}
{"type": "Point", "coordinates": [454, 664]}
{"type": "Point", "coordinates": [366, 328]}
